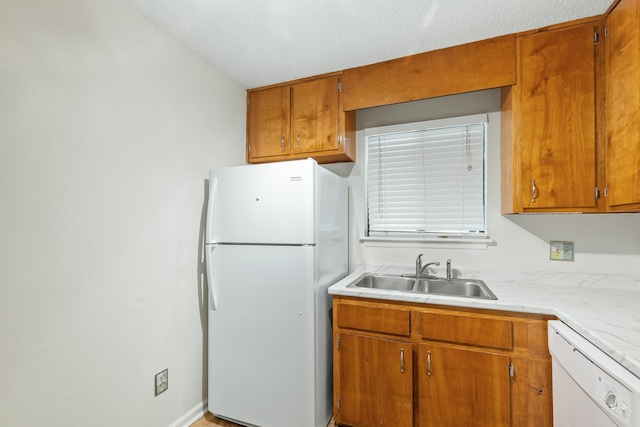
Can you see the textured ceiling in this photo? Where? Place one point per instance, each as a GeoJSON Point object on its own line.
{"type": "Point", "coordinates": [261, 42]}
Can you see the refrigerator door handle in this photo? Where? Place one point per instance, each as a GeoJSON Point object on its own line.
{"type": "Point", "coordinates": [213, 186]}
{"type": "Point", "coordinates": [208, 265]}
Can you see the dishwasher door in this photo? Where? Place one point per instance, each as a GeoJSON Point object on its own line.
{"type": "Point", "coordinates": [589, 388]}
{"type": "Point", "coordinates": [571, 405]}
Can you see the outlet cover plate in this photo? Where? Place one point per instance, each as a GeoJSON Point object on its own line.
{"type": "Point", "coordinates": [162, 381]}
{"type": "Point", "coordinates": [561, 251]}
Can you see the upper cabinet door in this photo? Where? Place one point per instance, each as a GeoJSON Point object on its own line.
{"type": "Point", "coordinates": [558, 121]}
{"type": "Point", "coordinates": [299, 120]}
{"type": "Point", "coordinates": [315, 109]}
{"type": "Point", "coordinates": [622, 45]}
{"type": "Point", "coordinates": [268, 122]}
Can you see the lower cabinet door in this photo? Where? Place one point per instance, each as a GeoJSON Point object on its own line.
{"type": "Point", "coordinates": [462, 387]}
{"type": "Point", "coordinates": [376, 384]}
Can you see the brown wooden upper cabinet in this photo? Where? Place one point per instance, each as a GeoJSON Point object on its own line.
{"type": "Point", "coordinates": [549, 144]}
{"type": "Point", "coordinates": [300, 120]}
{"type": "Point", "coordinates": [268, 124]}
{"type": "Point", "coordinates": [485, 64]}
{"type": "Point", "coordinates": [622, 135]}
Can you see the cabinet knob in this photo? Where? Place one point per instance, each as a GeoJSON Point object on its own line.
{"type": "Point", "coordinates": [534, 191]}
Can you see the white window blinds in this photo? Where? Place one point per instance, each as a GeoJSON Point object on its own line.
{"type": "Point", "coordinates": [426, 179]}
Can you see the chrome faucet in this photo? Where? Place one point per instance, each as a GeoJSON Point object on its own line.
{"type": "Point", "coordinates": [449, 274]}
{"type": "Point", "coordinates": [421, 268]}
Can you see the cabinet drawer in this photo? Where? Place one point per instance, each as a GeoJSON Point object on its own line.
{"type": "Point", "coordinates": [487, 332]}
{"type": "Point", "coordinates": [376, 319]}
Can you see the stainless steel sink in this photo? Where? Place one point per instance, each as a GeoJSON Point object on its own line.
{"type": "Point", "coordinates": [466, 288]}
{"type": "Point", "coordinates": [470, 288]}
{"type": "Point", "coordinates": [390, 283]}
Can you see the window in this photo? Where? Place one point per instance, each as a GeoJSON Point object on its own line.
{"type": "Point", "coordinates": [426, 180]}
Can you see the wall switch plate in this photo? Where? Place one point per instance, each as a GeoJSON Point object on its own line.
{"type": "Point", "coordinates": [561, 251]}
{"type": "Point", "coordinates": [162, 381]}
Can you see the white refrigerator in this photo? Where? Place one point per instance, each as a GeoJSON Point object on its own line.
{"type": "Point", "coordinates": [276, 239]}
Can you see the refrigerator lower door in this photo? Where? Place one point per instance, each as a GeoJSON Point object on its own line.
{"type": "Point", "coordinates": [262, 338]}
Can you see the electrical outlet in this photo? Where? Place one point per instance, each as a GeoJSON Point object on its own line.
{"type": "Point", "coordinates": [561, 251]}
{"type": "Point", "coordinates": [162, 381]}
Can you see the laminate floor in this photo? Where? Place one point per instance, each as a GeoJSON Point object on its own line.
{"type": "Point", "coordinates": [209, 420]}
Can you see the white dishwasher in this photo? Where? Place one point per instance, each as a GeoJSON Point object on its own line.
{"type": "Point", "coordinates": [590, 389]}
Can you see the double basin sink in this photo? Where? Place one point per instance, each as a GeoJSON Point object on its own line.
{"type": "Point", "coordinates": [467, 288]}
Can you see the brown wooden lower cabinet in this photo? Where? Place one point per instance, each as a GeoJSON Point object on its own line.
{"type": "Point", "coordinates": [380, 386]}
{"type": "Point", "coordinates": [458, 384]}
{"type": "Point", "coordinates": [439, 366]}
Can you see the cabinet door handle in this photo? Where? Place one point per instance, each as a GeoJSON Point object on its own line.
{"type": "Point", "coordinates": [298, 139]}
{"type": "Point", "coordinates": [282, 142]}
{"type": "Point", "coordinates": [428, 363]}
{"type": "Point", "coordinates": [534, 191]}
{"type": "Point", "coordinates": [402, 360]}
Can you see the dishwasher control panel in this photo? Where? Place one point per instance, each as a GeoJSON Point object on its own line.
{"type": "Point", "coordinates": [596, 378]}
{"type": "Point", "coordinates": [612, 396]}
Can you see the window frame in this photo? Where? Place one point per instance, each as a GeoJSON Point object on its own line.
{"type": "Point", "coordinates": [457, 239]}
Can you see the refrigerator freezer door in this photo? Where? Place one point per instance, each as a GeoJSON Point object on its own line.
{"type": "Point", "coordinates": [261, 336]}
{"type": "Point", "coordinates": [271, 203]}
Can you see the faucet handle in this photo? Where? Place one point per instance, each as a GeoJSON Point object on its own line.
{"type": "Point", "coordinates": [418, 264]}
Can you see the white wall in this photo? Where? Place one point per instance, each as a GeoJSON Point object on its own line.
{"type": "Point", "coordinates": [604, 243]}
{"type": "Point", "coordinates": [108, 128]}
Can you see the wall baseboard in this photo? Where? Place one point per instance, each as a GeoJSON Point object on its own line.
{"type": "Point", "coordinates": [192, 416]}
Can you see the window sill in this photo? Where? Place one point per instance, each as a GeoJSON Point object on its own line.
{"type": "Point", "coordinates": [430, 242]}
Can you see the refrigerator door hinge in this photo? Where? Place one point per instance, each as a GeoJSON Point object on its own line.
{"type": "Point", "coordinates": [511, 370]}
{"type": "Point", "coordinates": [597, 192]}
{"type": "Point", "coordinates": [339, 86]}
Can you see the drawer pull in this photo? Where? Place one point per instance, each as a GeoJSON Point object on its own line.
{"type": "Point", "coordinates": [282, 142]}
{"type": "Point", "coordinates": [534, 191]}
{"type": "Point", "coordinates": [402, 360]}
{"type": "Point", "coordinates": [428, 363]}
